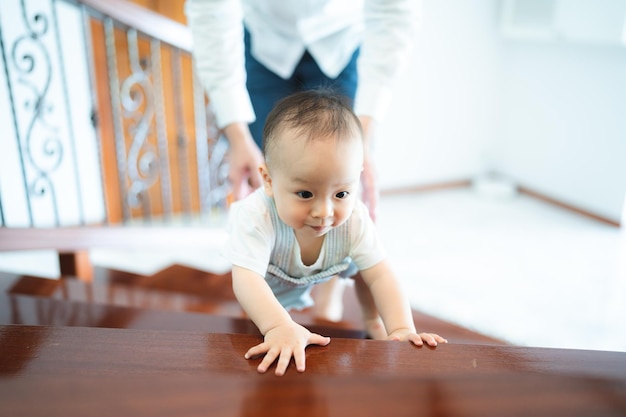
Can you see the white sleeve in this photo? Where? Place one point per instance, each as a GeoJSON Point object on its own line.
{"type": "Point", "coordinates": [250, 235]}
{"type": "Point", "coordinates": [390, 27]}
{"type": "Point", "coordinates": [366, 248]}
{"type": "Point", "coordinates": [219, 57]}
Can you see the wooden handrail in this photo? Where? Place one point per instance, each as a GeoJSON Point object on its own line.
{"type": "Point", "coordinates": [144, 20]}
{"type": "Point", "coordinates": [67, 239]}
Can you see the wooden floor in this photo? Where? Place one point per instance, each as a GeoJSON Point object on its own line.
{"type": "Point", "coordinates": [177, 298]}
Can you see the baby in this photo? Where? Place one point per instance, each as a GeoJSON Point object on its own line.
{"type": "Point", "coordinates": [305, 226]}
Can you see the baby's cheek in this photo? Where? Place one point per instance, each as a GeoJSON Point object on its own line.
{"type": "Point", "coordinates": [340, 217]}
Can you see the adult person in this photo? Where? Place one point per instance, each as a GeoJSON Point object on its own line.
{"type": "Point", "coordinates": [251, 53]}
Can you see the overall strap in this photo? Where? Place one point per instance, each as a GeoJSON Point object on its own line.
{"type": "Point", "coordinates": [284, 239]}
{"type": "Point", "coordinates": [334, 245]}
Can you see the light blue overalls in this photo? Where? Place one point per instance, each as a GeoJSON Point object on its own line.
{"type": "Point", "coordinates": [295, 292]}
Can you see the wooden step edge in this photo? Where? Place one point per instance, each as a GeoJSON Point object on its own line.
{"type": "Point", "coordinates": [121, 295]}
{"type": "Point", "coordinates": [44, 311]}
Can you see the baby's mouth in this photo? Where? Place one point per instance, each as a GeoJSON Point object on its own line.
{"type": "Point", "coordinates": [321, 228]}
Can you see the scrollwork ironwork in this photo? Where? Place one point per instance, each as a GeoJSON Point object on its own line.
{"type": "Point", "coordinates": [136, 94]}
{"type": "Point", "coordinates": [47, 137]}
{"type": "Point", "coordinates": [42, 145]}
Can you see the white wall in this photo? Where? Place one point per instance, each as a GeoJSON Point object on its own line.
{"type": "Point", "coordinates": [444, 105]}
{"type": "Point", "coordinates": [549, 114]}
{"type": "Point", "coordinates": [563, 128]}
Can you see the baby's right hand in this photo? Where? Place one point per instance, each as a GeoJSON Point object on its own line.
{"type": "Point", "coordinates": [283, 342]}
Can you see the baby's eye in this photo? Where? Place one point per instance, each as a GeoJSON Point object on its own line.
{"type": "Point", "coordinates": [304, 194]}
{"type": "Point", "coordinates": [342, 194]}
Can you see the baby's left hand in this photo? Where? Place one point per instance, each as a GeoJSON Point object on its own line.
{"type": "Point", "coordinates": [417, 339]}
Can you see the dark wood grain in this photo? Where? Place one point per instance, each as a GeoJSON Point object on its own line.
{"type": "Point", "coordinates": [309, 395]}
{"type": "Point", "coordinates": [140, 372]}
{"type": "Point", "coordinates": [44, 311]}
{"type": "Point", "coordinates": [176, 289]}
{"type": "Point", "coordinates": [51, 350]}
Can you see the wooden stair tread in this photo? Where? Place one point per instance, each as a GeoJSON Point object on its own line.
{"type": "Point", "coordinates": [184, 279]}
{"type": "Point", "coordinates": [123, 296]}
{"type": "Point", "coordinates": [186, 290]}
{"type": "Point", "coordinates": [174, 279]}
{"type": "Point", "coordinates": [143, 297]}
{"type": "Point", "coordinates": [18, 309]}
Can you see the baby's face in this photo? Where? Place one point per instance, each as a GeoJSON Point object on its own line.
{"type": "Point", "coordinates": [315, 183]}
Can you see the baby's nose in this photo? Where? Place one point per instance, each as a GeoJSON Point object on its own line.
{"type": "Point", "coordinates": [323, 208]}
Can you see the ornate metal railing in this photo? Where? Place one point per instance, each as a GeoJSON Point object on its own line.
{"type": "Point", "coordinates": [103, 118]}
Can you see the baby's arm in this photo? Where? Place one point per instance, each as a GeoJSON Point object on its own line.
{"type": "Point", "coordinates": [393, 306]}
{"type": "Point", "coordinates": [283, 338]}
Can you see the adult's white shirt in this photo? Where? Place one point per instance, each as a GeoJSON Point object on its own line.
{"type": "Point", "coordinates": [282, 30]}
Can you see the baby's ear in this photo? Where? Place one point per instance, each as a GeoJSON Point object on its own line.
{"type": "Point", "coordinates": [267, 180]}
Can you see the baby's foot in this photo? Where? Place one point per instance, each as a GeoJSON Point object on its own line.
{"type": "Point", "coordinates": [329, 300]}
{"type": "Point", "coordinates": [375, 328]}
{"type": "Point", "coordinates": [329, 311]}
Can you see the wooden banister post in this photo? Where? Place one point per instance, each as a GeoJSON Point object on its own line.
{"type": "Point", "coordinates": [76, 265]}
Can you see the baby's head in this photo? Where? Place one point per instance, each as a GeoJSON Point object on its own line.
{"type": "Point", "coordinates": [309, 115]}
{"type": "Point", "coordinates": [313, 148]}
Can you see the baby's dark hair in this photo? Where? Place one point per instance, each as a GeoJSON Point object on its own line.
{"type": "Point", "coordinates": [311, 114]}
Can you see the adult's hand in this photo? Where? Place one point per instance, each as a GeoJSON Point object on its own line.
{"type": "Point", "coordinates": [369, 180]}
{"type": "Point", "coordinates": [244, 160]}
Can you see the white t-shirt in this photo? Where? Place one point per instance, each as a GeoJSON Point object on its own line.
{"type": "Point", "coordinates": [252, 238]}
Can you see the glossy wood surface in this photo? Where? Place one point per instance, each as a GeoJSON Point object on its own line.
{"type": "Point", "coordinates": [78, 371]}
{"type": "Point", "coordinates": [44, 311]}
{"type": "Point", "coordinates": [168, 300]}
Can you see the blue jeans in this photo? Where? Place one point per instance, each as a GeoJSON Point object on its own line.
{"type": "Point", "coordinates": [267, 88]}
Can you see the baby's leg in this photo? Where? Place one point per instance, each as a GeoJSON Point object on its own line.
{"type": "Point", "coordinates": [329, 299]}
{"type": "Point", "coordinates": [374, 325]}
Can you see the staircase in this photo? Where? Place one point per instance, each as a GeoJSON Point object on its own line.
{"type": "Point", "coordinates": [157, 166]}
{"type": "Point", "coordinates": [177, 298]}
